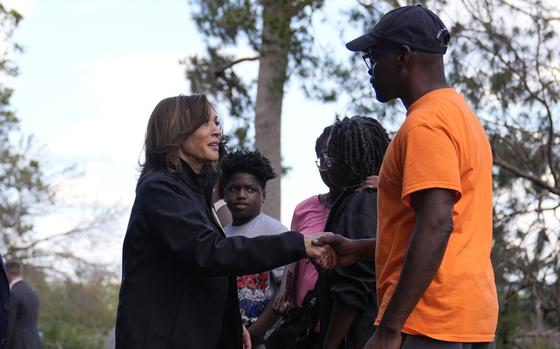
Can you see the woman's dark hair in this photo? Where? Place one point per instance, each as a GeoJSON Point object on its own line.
{"type": "Point", "coordinates": [322, 139]}
{"type": "Point", "coordinates": [357, 145]}
{"type": "Point", "coordinates": [222, 154]}
{"type": "Point", "coordinates": [171, 122]}
{"type": "Point", "coordinates": [252, 162]}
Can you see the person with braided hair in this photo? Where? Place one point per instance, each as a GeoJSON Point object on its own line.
{"type": "Point", "coordinates": [361, 142]}
{"type": "Point", "coordinates": [347, 294]}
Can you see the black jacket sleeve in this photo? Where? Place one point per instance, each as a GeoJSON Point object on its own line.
{"type": "Point", "coordinates": [355, 285]}
{"type": "Point", "coordinates": [180, 224]}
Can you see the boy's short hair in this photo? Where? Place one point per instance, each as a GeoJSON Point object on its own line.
{"type": "Point", "coordinates": [252, 162]}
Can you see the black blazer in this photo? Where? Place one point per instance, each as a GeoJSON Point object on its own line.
{"type": "Point", "coordinates": [4, 303]}
{"type": "Point", "coordinates": [24, 311]}
{"type": "Point", "coordinates": [353, 215]}
{"type": "Point", "coordinates": [178, 287]}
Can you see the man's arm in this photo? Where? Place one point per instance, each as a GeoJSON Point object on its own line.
{"type": "Point", "coordinates": [348, 251]}
{"type": "Point", "coordinates": [342, 318]}
{"type": "Point", "coordinates": [433, 227]}
{"type": "Point", "coordinates": [264, 322]}
{"type": "Point", "coordinates": [285, 297]}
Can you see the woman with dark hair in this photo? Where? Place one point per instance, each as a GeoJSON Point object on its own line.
{"type": "Point", "coordinates": [310, 217]}
{"type": "Point", "coordinates": [347, 294]}
{"type": "Point", "coordinates": [178, 287]}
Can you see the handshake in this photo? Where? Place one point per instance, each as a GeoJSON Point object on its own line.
{"type": "Point", "coordinates": [327, 250]}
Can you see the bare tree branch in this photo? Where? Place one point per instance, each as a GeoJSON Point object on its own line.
{"type": "Point", "coordinates": [509, 167]}
{"type": "Point", "coordinates": [525, 12]}
{"type": "Point", "coordinates": [220, 69]}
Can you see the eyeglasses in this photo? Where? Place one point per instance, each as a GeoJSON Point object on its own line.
{"type": "Point", "coordinates": [324, 163]}
{"type": "Point", "coordinates": [372, 56]}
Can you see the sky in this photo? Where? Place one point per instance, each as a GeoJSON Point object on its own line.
{"type": "Point", "coordinates": [90, 75]}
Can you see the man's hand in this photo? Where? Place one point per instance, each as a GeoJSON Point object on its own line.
{"type": "Point", "coordinates": [322, 256]}
{"type": "Point", "coordinates": [384, 340]}
{"type": "Point", "coordinates": [246, 338]}
{"type": "Point", "coordinates": [348, 251]}
{"type": "Point", "coordinates": [344, 248]}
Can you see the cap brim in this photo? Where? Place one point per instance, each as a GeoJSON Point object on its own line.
{"type": "Point", "coordinates": [363, 42]}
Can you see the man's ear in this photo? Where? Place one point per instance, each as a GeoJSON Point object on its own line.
{"type": "Point", "coordinates": [404, 56]}
{"type": "Point", "coordinates": [264, 194]}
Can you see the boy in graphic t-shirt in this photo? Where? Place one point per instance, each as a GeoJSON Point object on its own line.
{"type": "Point", "coordinates": [244, 177]}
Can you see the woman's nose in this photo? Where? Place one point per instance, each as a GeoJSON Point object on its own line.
{"type": "Point", "coordinates": [217, 130]}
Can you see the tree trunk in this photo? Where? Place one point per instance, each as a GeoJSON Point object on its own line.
{"type": "Point", "coordinates": [270, 92]}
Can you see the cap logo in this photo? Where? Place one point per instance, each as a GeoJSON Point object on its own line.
{"type": "Point", "coordinates": [440, 32]}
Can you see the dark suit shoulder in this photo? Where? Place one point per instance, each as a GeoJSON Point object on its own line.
{"type": "Point", "coordinates": [22, 290]}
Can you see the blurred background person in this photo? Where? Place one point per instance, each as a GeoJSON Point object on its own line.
{"type": "Point", "coordinates": [24, 311]}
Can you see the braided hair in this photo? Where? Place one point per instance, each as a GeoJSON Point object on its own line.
{"type": "Point", "coordinates": [252, 162]}
{"type": "Point", "coordinates": [357, 145]}
{"type": "Point", "coordinates": [322, 139]}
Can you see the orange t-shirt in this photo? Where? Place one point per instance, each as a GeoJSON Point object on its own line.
{"type": "Point", "coordinates": [441, 144]}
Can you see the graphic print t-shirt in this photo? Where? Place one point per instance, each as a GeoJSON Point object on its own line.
{"type": "Point", "coordinates": [256, 290]}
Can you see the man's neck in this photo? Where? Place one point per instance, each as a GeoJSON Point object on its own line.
{"type": "Point", "coordinates": [15, 281]}
{"type": "Point", "coordinates": [427, 74]}
{"type": "Point", "coordinates": [421, 90]}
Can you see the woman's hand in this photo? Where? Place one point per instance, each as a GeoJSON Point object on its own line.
{"type": "Point", "coordinates": [369, 183]}
{"type": "Point", "coordinates": [246, 338]}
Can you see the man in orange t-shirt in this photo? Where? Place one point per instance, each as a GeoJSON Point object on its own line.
{"type": "Point", "coordinates": [435, 282]}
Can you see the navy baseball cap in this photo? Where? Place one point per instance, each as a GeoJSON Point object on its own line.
{"type": "Point", "coordinates": [415, 26]}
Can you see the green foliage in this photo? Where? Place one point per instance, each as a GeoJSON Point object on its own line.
{"type": "Point", "coordinates": [504, 58]}
{"type": "Point", "coordinates": [9, 20]}
{"type": "Point", "coordinates": [76, 314]}
{"type": "Point", "coordinates": [209, 74]}
{"type": "Point", "coordinates": [23, 187]}
{"type": "Point", "coordinates": [228, 25]}
{"type": "Point", "coordinates": [228, 21]}
{"type": "Point", "coordinates": [26, 187]}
